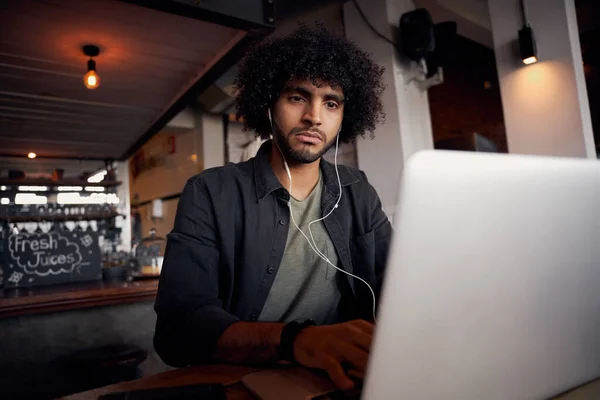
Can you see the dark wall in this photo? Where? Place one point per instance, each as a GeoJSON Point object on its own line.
{"type": "Point", "coordinates": [588, 20]}
{"type": "Point", "coordinates": [468, 101]}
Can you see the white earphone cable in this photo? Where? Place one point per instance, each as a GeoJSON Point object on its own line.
{"type": "Point", "coordinates": [313, 243]}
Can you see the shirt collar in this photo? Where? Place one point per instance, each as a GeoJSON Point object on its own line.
{"type": "Point", "coordinates": [266, 181]}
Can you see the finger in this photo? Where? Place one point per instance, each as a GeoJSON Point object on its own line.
{"type": "Point", "coordinates": [337, 375]}
{"type": "Point", "coordinates": [363, 325]}
{"type": "Point", "coordinates": [360, 338]}
{"type": "Point", "coordinates": [356, 374]}
{"type": "Point", "coordinates": [354, 355]}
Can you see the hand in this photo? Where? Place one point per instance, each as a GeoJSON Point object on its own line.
{"type": "Point", "coordinates": [329, 347]}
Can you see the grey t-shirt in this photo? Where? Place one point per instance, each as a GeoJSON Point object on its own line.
{"type": "Point", "coordinates": [305, 286]}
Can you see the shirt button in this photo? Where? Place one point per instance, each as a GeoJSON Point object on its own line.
{"type": "Point", "coordinates": [271, 270]}
{"type": "Point", "coordinates": [281, 222]}
{"type": "Point", "coordinates": [254, 317]}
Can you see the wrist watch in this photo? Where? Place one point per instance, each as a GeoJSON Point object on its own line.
{"type": "Point", "coordinates": [288, 337]}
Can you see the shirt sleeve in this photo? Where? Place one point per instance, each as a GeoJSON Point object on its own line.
{"type": "Point", "coordinates": [190, 317]}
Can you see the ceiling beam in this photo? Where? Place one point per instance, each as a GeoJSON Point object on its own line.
{"type": "Point", "coordinates": [227, 59]}
{"type": "Point", "coordinates": [67, 100]}
{"type": "Point", "coordinates": [222, 17]}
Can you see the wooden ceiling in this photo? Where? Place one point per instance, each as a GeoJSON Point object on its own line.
{"type": "Point", "coordinates": [149, 60]}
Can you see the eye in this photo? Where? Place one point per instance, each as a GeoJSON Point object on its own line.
{"type": "Point", "coordinates": [296, 98]}
{"type": "Point", "coordinates": [332, 105]}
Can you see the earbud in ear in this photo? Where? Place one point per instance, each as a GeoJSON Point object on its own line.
{"type": "Point", "coordinates": [270, 122]}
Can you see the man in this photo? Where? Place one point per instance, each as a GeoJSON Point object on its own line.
{"type": "Point", "coordinates": [242, 280]}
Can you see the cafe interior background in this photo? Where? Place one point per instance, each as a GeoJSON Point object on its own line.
{"type": "Point", "coordinates": [108, 107]}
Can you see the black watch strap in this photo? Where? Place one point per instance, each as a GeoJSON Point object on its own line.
{"type": "Point", "coordinates": [288, 336]}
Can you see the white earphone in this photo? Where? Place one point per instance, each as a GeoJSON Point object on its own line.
{"type": "Point", "coordinates": [312, 243]}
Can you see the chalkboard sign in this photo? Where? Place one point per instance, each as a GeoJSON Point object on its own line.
{"type": "Point", "coordinates": [50, 258]}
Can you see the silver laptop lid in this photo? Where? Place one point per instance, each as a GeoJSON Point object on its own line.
{"type": "Point", "coordinates": [493, 283]}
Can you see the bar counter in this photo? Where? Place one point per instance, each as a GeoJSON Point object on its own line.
{"type": "Point", "coordinates": [44, 299]}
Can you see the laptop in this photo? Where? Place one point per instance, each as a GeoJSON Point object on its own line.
{"type": "Point", "coordinates": [492, 289]}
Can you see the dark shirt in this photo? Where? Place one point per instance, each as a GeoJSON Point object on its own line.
{"type": "Point", "coordinates": [227, 243]}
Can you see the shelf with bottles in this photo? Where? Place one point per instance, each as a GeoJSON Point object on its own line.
{"type": "Point", "coordinates": [56, 212]}
{"type": "Point", "coordinates": [61, 218]}
{"type": "Point", "coordinates": [54, 184]}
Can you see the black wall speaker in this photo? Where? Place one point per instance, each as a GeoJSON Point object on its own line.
{"type": "Point", "coordinates": [420, 38]}
{"type": "Point", "coordinates": [416, 34]}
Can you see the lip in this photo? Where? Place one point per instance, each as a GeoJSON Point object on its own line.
{"type": "Point", "coordinates": [309, 137]}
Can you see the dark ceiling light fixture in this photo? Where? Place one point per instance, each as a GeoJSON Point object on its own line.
{"type": "Point", "coordinates": [91, 80]}
{"type": "Point", "coordinates": [526, 39]}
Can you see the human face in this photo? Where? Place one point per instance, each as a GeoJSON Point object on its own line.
{"type": "Point", "coordinates": [307, 119]}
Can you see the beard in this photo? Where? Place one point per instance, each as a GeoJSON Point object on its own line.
{"type": "Point", "coordinates": [302, 155]}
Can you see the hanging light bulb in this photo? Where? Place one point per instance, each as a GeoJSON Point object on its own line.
{"type": "Point", "coordinates": [91, 80]}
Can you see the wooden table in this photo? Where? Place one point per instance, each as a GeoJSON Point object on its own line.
{"type": "Point", "coordinates": [36, 300]}
{"type": "Point", "coordinates": [230, 376]}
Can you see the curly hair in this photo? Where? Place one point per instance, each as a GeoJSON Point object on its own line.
{"type": "Point", "coordinates": [310, 54]}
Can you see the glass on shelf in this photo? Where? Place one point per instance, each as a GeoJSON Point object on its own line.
{"type": "Point", "coordinates": [106, 210]}
{"type": "Point", "coordinates": [42, 210]}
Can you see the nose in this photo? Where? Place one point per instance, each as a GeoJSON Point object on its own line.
{"type": "Point", "coordinates": [312, 115]}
